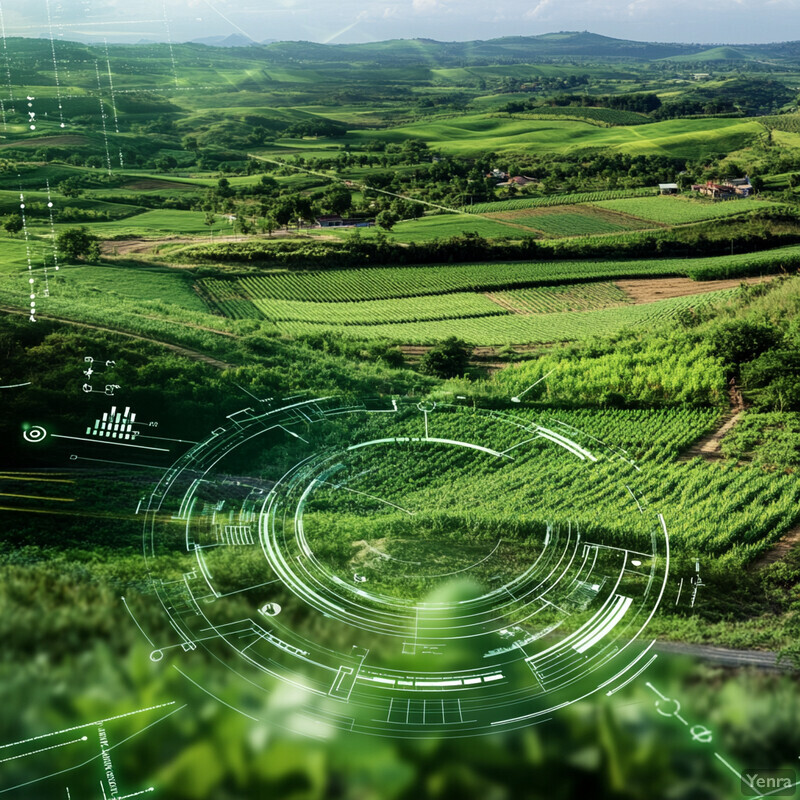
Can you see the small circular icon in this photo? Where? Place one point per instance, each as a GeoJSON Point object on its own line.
{"type": "Point", "coordinates": [666, 711]}
{"type": "Point", "coordinates": [701, 734]}
{"type": "Point", "coordinates": [35, 434]}
{"type": "Point", "coordinates": [270, 609]}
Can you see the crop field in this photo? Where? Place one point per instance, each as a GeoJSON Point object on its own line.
{"type": "Point", "coordinates": [388, 282]}
{"type": "Point", "coordinates": [555, 200]}
{"type": "Point", "coordinates": [516, 328]}
{"type": "Point", "coordinates": [572, 220]}
{"type": "Point", "coordinates": [349, 285]}
{"type": "Point", "coordinates": [442, 226]}
{"type": "Point", "coordinates": [782, 122]}
{"type": "Point", "coordinates": [553, 299]}
{"type": "Point", "coordinates": [681, 210]}
{"type": "Point", "coordinates": [715, 509]}
{"type": "Point", "coordinates": [373, 312]}
{"type": "Point", "coordinates": [609, 116]}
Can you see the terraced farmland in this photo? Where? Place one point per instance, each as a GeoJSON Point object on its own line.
{"type": "Point", "coordinates": [381, 283]}
{"type": "Point", "coordinates": [516, 328]}
{"type": "Point", "coordinates": [680, 210]}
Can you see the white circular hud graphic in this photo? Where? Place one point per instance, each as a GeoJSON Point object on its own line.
{"type": "Point", "coordinates": [408, 569]}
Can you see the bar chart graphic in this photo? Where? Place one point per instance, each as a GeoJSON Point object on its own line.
{"type": "Point", "coordinates": [114, 424]}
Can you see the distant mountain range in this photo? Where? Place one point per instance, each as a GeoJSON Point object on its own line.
{"type": "Point", "coordinates": [232, 40]}
{"type": "Point", "coordinates": [506, 50]}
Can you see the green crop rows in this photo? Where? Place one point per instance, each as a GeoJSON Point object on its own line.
{"type": "Point", "coordinates": [382, 283]}
{"type": "Point", "coordinates": [782, 122]}
{"type": "Point", "coordinates": [680, 210]}
{"type": "Point", "coordinates": [553, 299]}
{"type": "Point", "coordinates": [575, 222]}
{"type": "Point", "coordinates": [556, 200]}
{"type": "Point", "coordinates": [515, 328]}
{"type": "Point", "coordinates": [709, 508]}
{"type": "Point", "coordinates": [372, 312]}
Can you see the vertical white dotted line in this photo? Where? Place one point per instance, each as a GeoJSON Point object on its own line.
{"type": "Point", "coordinates": [31, 279]}
{"type": "Point", "coordinates": [52, 242]}
{"type": "Point", "coordinates": [113, 102]}
{"type": "Point", "coordinates": [55, 64]}
{"type": "Point", "coordinates": [8, 68]}
{"type": "Point", "coordinates": [169, 44]}
{"type": "Point", "coordinates": [103, 116]}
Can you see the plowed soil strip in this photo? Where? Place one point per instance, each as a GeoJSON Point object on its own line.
{"type": "Point", "coordinates": [648, 290]}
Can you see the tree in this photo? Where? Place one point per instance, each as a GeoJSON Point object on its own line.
{"type": "Point", "coordinates": [13, 223]}
{"type": "Point", "coordinates": [448, 359]}
{"type": "Point", "coordinates": [337, 199]}
{"type": "Point", "coordinates": [387, 219]}
{"type": "Point", "coordinates": [70, 187]}
{"type": "Point", "coordinates": [166, 163]}
{"type": "Point", "coordinates": [269, 224]}
{"type": "Point", "coordinates": [224, 187]}
{"type": "Point", "coordinates": [76, 243]}
{"type": "Point", "coordinates": [209, 219]}
{"type": "Point", "coordinates": [738, 341]}
{"type": "Point", "coordinates": [283, 211]}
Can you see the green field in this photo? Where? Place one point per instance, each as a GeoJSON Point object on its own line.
{"type": "Point", "coordinates": [501, 304]}
{"type": "Point", "coordinates": [99, 282]}
{"type": "Point", "coordinates": [568, 297]}
{"type": "Point", "coordinates": [694, 138]}
{"type": "Point", "coordinates": [370, 312]}
{"type": "Point", "coordinates": [681, 210]}
{"type": "Point", "coordinates": [571, 220]}
{"type": "Point", "coordinates": [516, 328]}
{"type": "Point", "coordinates": [555, 200]}
{"type": "Point", "coordinates": [157, 224]}
{"type": "Point", "coordinates": [390, 282]}
{"type": "Point", "coordinates": [608, 116]}
{"type": "Point", "coordinates": [442, 226]}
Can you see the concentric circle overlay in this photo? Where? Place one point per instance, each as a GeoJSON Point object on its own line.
{"type": "Point", "coordinates": [408, 568]}
{"type": "Point", "coordinates": [34, 434]}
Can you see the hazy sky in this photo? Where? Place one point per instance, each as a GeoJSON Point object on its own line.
{"type": "Point", "coordinates": [731, 21]}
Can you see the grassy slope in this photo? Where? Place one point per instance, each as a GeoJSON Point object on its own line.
{"type": "Point", "coordinates": [470, 134]}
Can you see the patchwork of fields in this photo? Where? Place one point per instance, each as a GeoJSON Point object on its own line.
{"type": "Point", "coordinates": [489, 304]}
{"type": "Point", "coordinates": [516, 328]}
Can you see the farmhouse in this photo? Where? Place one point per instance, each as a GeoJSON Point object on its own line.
{"type": "Point", "coordinates": [730, 189]}
{"type": "Point", "coordinates": [517, 180]}
{"type": "Point", "coordinates": [741, 186]}
{"type": "Point", "coordinates": [668, 188]}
